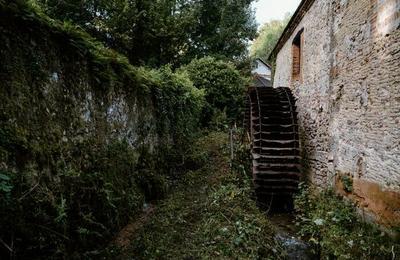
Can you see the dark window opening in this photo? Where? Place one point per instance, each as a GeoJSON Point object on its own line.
{"type": "Point", "coordinates": [297, 57]}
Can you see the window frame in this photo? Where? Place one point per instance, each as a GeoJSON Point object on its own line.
{"type": "Point", "coordinates": [297, 57]}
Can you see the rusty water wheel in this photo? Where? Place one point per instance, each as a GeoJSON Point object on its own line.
{"type": "Point", "coordinates": [271, 123]}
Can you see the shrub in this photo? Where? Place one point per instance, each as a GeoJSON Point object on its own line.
{"type": "Point", "coordinates": [223, 85]}
{"type": "Point", "coordinates": [178, 104]}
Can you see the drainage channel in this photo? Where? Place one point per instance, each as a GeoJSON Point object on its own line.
{"type": "Point", "coordinates": [296, 248]}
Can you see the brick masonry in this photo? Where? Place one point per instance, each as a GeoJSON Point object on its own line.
{"type": "Point", "coordinates": [349, 100]}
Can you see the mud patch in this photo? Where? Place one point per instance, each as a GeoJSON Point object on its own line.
{"type": "Point", "coordinates": [125, 236]}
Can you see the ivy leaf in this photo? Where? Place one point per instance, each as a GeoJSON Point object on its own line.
{"type": "Point", "coordinates": [4, 177]}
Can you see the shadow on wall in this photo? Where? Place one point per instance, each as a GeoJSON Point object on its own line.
{"type": "Point", "coordinates": [307, 148]}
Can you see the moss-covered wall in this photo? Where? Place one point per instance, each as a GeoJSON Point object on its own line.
{"type": "Point", "coordinates": [81, 133]}
{"type": "Point", "coordinates": [53, 90]}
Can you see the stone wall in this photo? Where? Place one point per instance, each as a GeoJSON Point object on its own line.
{"type": "Point", "coordinates": [85, 138]}
{"type": "Point", "coordinates": [349, 100]}
{"type": "Point", "coordinates": [49, 89]}
{"type": "Point", "coordinates": [312, 94]}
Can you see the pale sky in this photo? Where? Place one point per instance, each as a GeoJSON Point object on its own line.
{"type": "Point", "coordinates": [267, 10]}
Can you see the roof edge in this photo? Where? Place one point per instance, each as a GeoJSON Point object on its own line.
{"type": "Point", "coordinates": [291, 26]}
{"type": "Point", "coordinates": [266, 64]}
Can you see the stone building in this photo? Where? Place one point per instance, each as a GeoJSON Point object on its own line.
{"type": "Point", "coordinates": [261, 68]}
{"type": "Point", "coordinates": [341, 58]}
{"type": "Point", "coordinates": [261, 72]}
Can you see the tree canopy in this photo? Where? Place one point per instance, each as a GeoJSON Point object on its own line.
{"type": "Point", "coordinates": [268, 36]}
{"type": "Point", "coordinates": [157, 32]}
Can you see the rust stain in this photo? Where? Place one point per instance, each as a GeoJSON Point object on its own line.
{"type": "Point", "coordinates": [383, 204]}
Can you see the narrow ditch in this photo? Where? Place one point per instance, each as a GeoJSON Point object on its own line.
{"type": "Point", "coordinates": [126, 235]}
{"type": "Point", "coordinates": [281, 214]}
{"type": "Point", "coordinates": [296, 248]}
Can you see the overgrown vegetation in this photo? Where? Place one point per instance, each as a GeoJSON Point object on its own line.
{"type": "Point", "coordinates": [337, 232]}
{"type": "Point", "coordinates": [87, 139]}
{"type": "Point", "coordinates": [81, 149]}
{"type": "Point", "coordinates": [224, 90]}
{"type": "Point", "coordinates": [209, 215]}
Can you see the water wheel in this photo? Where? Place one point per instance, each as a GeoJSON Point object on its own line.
{"type": "Point", "coordinates": [271, 123]}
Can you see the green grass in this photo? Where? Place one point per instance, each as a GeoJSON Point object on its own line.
{"type": "Point", "coordinates": [209, 215]}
